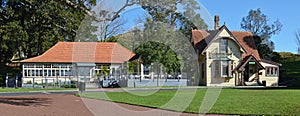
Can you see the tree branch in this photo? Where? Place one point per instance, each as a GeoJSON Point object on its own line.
{"type": "Point", "coordinates": [71, 4]}
{"type": "Point", "coordinates": [91, 14]}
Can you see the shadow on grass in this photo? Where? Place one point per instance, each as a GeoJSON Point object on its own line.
{"type": "Point", "coordinates": [271, 88]}
{"type": "Point", "coordinates": [25, 101]}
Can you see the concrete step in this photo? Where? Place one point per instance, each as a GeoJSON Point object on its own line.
{"type": "Point", "coordinates": [251, 83]}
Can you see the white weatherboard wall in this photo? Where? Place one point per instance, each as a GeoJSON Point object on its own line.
{"type": "Point", "coordinates": [270, 80]}
{"type": "Point", "coordinates": [236, 55]}
{"type": "Point", "coordinates": [224, 33]}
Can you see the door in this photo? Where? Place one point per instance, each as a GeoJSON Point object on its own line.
{"type": "Point", "coordinates": [246, 74]}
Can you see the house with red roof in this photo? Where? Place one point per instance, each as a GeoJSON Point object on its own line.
{"type": "Point", "coordinates": [77, 61]}
{"type": "Point", "coordinates": [230, 58]}
{"type": "Point", "coordinates": [226, 58]}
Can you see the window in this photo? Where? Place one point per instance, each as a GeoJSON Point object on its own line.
{"type": "Point", "coordinates": [223, 45]}
{"type": "Point", "coordinates": [271, 71]}
{"type": "Point", "coordinates": [222, 68]}
{"type": "Point", "coordinates": [45, 73]}
{"type": "Point", "coordinates": [84, 71]}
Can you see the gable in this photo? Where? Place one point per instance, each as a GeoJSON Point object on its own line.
{"type": "Point", "coordinates": [203, 39]}
{"type": "Point", "coordinates": [224, 33]}
{"type": "Point", "coordinates": [220, 33]}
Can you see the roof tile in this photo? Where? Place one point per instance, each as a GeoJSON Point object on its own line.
{"type": "Point", "coordinates": [203, 37]}
{"type": "Point", "coordinates": [98, 52]}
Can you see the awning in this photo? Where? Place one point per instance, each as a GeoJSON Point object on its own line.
{"type": "Point", "coordinates": [223, 59]}
{"type": "Point", "coordinates": [86, 64]}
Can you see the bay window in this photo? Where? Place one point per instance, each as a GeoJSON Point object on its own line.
{"type": "Point", "coordinates": [222, 68]}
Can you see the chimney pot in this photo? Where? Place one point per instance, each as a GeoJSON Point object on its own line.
{"type": "Point", "coordinates": [217, 20]}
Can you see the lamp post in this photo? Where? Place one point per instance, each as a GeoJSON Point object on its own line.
{"type": "Point", "coordinates": [139, 68]}
{"type": "Point", "coordinates": [6, 80]}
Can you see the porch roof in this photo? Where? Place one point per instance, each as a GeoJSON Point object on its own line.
{"type": "Point", "coordinates": [246, 61]}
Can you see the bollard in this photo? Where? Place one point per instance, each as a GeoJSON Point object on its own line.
{"type": "Point", "coordinates": [81, 86]}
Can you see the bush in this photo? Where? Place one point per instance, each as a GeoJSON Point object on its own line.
{"type": "Point", "coordinates": [2, 81]}
{"type": "Point", "coordinates": [67, 86]}
{"type": "Point", "coordinates": [28, 82]}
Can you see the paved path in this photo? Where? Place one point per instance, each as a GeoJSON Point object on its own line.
{"type": "Point", "coordinates": [43, 105]}
{"type": "Point", "coordinates": [105, 108]}
{"type": "Point", "coordinates": [64, 103]}
{"type": "Point", "coordinates": [70, 105]}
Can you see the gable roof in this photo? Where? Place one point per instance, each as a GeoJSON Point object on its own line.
{"type": "Point", "coordinates": [247, 59]}
{"type": "Point", "coordinates": [247, 41]}
{"type": "Point", "coordinates": [203, 38]}
{"type": "Point", "coordinates": [270, 62]}
{"type": "Point", "coordinates": [97, 52]}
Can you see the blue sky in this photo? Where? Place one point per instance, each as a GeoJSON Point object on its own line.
{"type": "Point", "coordinates": [232, 11]}
{"type": "Point", "coordinates": [287, 11]}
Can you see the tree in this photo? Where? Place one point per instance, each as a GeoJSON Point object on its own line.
{"type": "Point", "coordinates": [13, 38]}
{"type": "Point", "coordinates": [167, 12]}
{"type": "Point", "coordinates": [107, 28]}
{"type": "Point", "coordinates": [298, 41]}
{"type": "Point", "coordinates": [35, 26]}
{"type": "Point", "coordinates": [152, 51]}
{"type": "Point", "coordinates": [190, 19]}
{"type": "Point", "coordinates": [257, 23]}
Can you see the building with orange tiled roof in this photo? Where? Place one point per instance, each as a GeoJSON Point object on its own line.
{"type": "Point", "coordinates": [230, 58]}
{"type": "Point", "coordinates": [67, 60]}
{"type": "Point", "coordinates": [226, 58]}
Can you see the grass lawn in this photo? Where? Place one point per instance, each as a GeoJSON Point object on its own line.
{"type": "Point", "coordinates": [32, 89]}
{"type": "Point", "coordinates": [230, 101]}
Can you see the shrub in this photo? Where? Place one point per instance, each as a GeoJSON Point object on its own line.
{"type": "Point", "coordinates": [28, 82]}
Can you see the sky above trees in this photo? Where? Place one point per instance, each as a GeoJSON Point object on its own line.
{"type": "Point", "coordinates": [232, 12]}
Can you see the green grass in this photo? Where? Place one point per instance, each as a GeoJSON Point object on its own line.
{"type": "Point", "coordinates": [32, 89]}
{"type": "Point", "coordinates": [230, 101]}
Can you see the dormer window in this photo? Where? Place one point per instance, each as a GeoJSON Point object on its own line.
{"type": "Point", "coordinates": [223, 45]}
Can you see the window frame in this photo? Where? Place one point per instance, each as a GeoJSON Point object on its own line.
{"type": "Point", "coordinates": [223, 44]}
{"type": "Point", "coordinates": [219, 66]}
{"type": "Point", "coordinates": [271, 71]}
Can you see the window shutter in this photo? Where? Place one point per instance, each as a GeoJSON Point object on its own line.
{"type": "Point", "coordinates": [217, 69]}
{"type": "Point", "coordinates": [230, 66]}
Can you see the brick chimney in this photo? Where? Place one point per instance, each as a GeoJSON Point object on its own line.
{"type": "Point", "coordinates": [217, 20]}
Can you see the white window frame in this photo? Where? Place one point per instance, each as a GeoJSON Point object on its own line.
{"type": "Point", "coordinates": [220, 68]}
{"type": "Point", "coordinates": [221, 45]}
{"type": "Point", "coordinates": [271, 71]}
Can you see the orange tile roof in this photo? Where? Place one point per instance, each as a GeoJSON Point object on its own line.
{"type": "Point", "coordinates": [202, 38]}
{"type": "Point", "coordinates": [98, 52]}
{"type": "Point", "coordinates": [247, 41]}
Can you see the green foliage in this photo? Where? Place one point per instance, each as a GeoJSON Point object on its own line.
{"type": "Point", "coordinates": [67, 86]}
{"type": "Point", "coordinates": [131, 66]}
{"type": "Point", "coordinates": [158, 52]}
{"type": "Point", "coordinates": [104, 71]}
{"type": "Point", "coordinates": [290, 71]}
{"type": "Point", "coordinates": [257, 23]}
{"type": "Point", "coordinates": [2, 81]}
{"type": "Point", "coordinates": [112, 39]}
{"type": "Point", "coordinates": [28, 82]}
{"type": "Point", "coordinates": [167, 12]}
{"type": "Point", "coordinates": [30, 27]}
